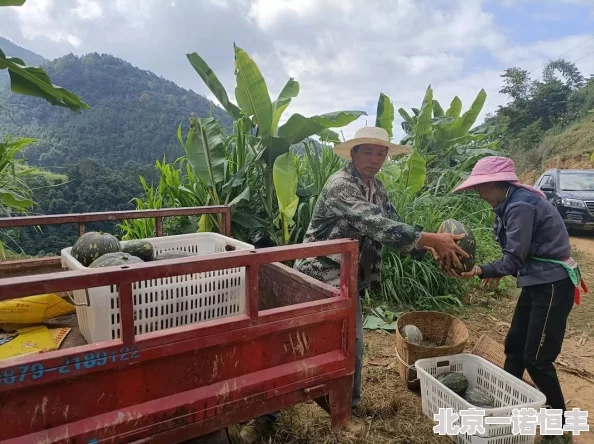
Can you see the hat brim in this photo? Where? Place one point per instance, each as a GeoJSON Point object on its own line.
{"type": "Point", "coordinates": [344, 149]}
{"type": "Point", "coordinates": [480, 179]}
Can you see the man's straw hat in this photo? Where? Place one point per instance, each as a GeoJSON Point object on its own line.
{"type": "Point", "coordinates": [370, 135]}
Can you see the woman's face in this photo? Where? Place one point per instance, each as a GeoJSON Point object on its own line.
{"type": "Point", "coordinates": [489, 192]}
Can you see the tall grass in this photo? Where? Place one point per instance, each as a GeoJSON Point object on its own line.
{"type": "Point", "coordinates": [421, 284]}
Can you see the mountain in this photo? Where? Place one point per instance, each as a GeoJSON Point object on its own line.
{"type": "Point", "coordinates": [29, 57]}
{"type": "Point", "coordinates": [134, 114]}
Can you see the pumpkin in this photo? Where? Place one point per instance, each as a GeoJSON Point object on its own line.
{"type": "Point", "coordinates": [173, 254]}
{"type": "Point", "coordinates": [467, 243]}
{"type": "Point", "coordinates": [412, 334]}
{"type": "Point", "coordinates": [479, 399]}
{"type": "Point", "coordinates": [456, 382]}
{"type": "Point", "coordinates": [113, 259]}
{"type": "Point", "coordinates": [140, 248]}
{"type": "Point", "coordinates": [93, 245]}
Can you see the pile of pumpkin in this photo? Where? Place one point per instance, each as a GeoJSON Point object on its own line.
{"type": "Point", "coordinates": [455, 381]}
{"type": "Point", "coordinates": [98, 249]}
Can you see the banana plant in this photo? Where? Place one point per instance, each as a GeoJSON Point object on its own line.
{"type": "Point", "coordinates": [437, 134]}
{"type": "Point", "coordinates": [15, 195]}
{"type": "Point", "coordinates": [285, 182]}
{"type": "Point", "coordinates": [215, 180]}
{"type": "Point", "coordinates": [269, 138]}
{"type": "Point", "coordinates": [405, 176]}
{"type": "Point", "coordinates": [385, 114]}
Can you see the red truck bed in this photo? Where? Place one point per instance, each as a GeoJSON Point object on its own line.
{"type": "Point", "coordinates": [294, 343]}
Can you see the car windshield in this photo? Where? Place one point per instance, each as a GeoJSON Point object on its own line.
{"type": "Point", "coordinates": [576, 181]}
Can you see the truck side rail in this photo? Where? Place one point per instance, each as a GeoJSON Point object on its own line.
{"type": "Point", "coordinates": [82, 219]}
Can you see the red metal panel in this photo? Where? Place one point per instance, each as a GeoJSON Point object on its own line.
{"type": "Point", "coordinates": [127, 312]}
{"type": "Point", "coordinates": [186, 380]}
{"type": "Point", "coordinates": [148, 377]}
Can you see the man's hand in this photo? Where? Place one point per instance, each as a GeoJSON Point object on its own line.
{"type": "Point", "coordinates": [433, 252]}
{"type": "Point", "coordinates": [445, 247]}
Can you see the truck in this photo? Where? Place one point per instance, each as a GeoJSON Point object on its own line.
{"type": "Point", "coordinates": [293, 343]}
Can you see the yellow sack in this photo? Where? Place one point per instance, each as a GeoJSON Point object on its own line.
{"type": "Point", "coordinates": [34, 309]}
{"type": "Point", "coordinates": [59, 334]}
{"type": "Point", "coordinates": [31, 340]}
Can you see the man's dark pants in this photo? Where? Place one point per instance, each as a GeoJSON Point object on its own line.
{"type": "Point", "coordinates": [536, 335]}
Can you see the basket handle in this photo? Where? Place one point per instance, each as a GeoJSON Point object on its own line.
{"type": "Point", "coordinates": [442, 364]}
{"type": "Point", "coordinates": [73, 302]}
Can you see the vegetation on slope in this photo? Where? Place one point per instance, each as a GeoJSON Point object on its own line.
{"type": "Point", "coordinates": [547, 119]}
{"type": "Point", "coordinates": [133, 114]}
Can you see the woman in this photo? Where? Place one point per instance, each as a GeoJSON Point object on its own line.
{"type": "Point", "coordinates": [537, 251]}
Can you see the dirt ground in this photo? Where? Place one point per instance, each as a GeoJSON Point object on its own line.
{"type": "Point", "coordinates": [392, 413]}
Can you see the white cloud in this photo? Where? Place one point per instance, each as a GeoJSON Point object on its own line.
{"type": "Point", "coordinates": [343, 53]}
{"type": "Point", "coordinates": [88, 10]}
{"type": "Point", "coordinates": [220, 3]}
{"type": "Point", "coordinates": [34, 19]}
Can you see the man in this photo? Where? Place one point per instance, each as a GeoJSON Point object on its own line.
{"type": "Point", "coordinates": [537, 251]}
{"type": "Point", "coordinates": [354, 204]}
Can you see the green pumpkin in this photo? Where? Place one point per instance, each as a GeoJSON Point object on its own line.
{"type": "Point", "coordinates": [456, 382]}
{"type": "Point", "coordinates": [113, 259]}
{"type": "Point", "coordinates": [467, 243]}
{"type": "Point", "coordinates": [93, 245]}
{"type": "Point", "coordinates": [140, 248]}
{"type": "Point", "coordinates": [173, 254]}
{"type": "Point", "coordinates": [412, 334]}
{"type": "Point", "coordinates": [479, 399]}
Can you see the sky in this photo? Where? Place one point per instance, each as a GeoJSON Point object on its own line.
{"type": "Point", "coordinates": [343, 53]}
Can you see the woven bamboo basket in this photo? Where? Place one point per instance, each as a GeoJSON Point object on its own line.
{"type": "Point", "coordinates": [494, 352]}
{"type": "Point", "coordinates": [448, 332]}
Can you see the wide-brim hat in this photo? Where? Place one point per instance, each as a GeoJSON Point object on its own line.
{"type": "Point", "coordinates": [372, 136]}
{"type": "Point", "coordinates": [494, 169]}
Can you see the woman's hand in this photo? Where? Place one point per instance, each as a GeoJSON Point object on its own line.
{"type": "Point", "coordinates": [476, 271]}
{"type": "Point", "coordinates": [491, 283]}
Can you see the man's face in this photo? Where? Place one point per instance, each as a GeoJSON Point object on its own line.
{"type": "Point", "coordinates": [369, 159]}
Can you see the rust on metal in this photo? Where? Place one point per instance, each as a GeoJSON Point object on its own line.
{"type": "Point", "coordinates": [294, 343]}
{"type": "Point", "coordinates": [159, 226]}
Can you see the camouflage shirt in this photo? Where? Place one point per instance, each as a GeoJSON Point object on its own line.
{"type": "Point", "coordinates": [348, 208]}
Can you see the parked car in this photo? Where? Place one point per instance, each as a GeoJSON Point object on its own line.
{"type": "Point", "coordinates": [572, 193]}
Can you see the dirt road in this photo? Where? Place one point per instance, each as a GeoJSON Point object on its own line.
{"type": "Point", "coordinates": [584, 243]}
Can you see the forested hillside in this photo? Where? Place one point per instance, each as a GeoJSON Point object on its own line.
{"type": "Point", "coordinates": [97, 156]}
{"type": "Point", "coordinates": [29, 57]}
{"type": "Point", "coordinates": [549, 121]}
{"type": "Point", "coordinates": [134, 114]}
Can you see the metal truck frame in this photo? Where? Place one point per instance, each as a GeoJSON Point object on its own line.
{"type": "Point", "coordinates": [294, 343]}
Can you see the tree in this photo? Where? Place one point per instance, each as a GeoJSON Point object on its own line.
{"type": "Point", "coordinates": [517, 83]}
{"type": "Point", "coordinates": [568, 70]}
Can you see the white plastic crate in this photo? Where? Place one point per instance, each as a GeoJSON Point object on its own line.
{"type": "Point", "coordinates": [165, 302]}
{"type": "Point", "coordinates": [507, 391]}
